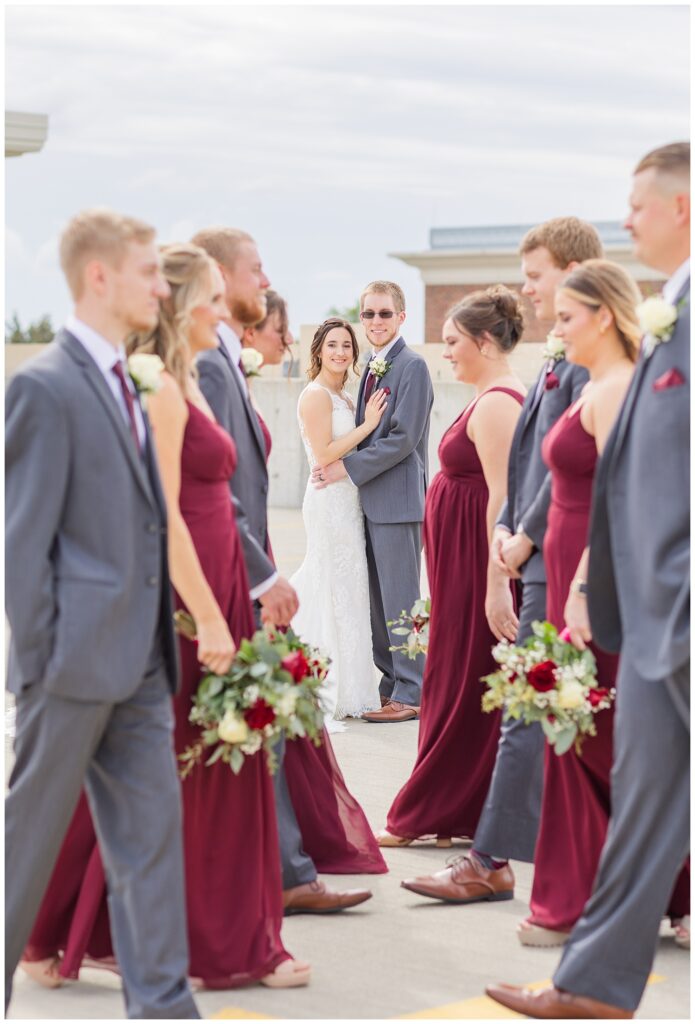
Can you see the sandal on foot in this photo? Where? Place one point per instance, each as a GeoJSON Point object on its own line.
{"type": "Point", "coordinates": [682, 932]}
{"type": "Point", "coordinates": [44, 972]}
{"type": "Point", "coordinates": [531, 934]}
{"type": "Point", "coordinates": [385, 838]}
{"type": "Point", "coordinates": [288, 974]}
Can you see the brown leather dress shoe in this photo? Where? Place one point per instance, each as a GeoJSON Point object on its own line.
{"type": "Point", "coordinates": [393, 711]}
{"type": "Point", "coordinates": [467, 880]}
{"type": "Point", "coordinates": [554, 1004]}
{"type": "Point", "coordinates": [316, 898]}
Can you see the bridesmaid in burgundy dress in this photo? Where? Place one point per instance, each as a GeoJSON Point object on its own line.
{"type": "Point", "coordinates": [597, 322]}
{"type": "Point", "coordinates": [457, 742]}
{"type": "Point", "coordinates": [334, 828]}
{"type": "Point", "coordinates": [233, 883]}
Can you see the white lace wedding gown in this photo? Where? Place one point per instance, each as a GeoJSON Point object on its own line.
{"type": "Point", "coordinates": [333, 585]}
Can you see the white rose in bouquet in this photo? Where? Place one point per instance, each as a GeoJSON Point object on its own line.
{"type": "Point", "coordinates": [287, 703]}
{"type": "Point", "coordinates": [232, 729]}
{"type": "Point", "coordinates": [571, 695]}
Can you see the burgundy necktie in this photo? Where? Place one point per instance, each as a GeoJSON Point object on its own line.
{"type": "Point", "coordinates": [371, 381]}
{"type": "Point", "coordinates": [129, 403]}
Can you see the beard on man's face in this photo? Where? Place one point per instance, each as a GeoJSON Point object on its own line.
{"type": "Point", "coordinates": [246, 311]}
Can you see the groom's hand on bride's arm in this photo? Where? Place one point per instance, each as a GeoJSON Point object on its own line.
{"type": "Point", "coordinates": [279, 603]}
{"type": "Point", "coordinates": [322, 476]}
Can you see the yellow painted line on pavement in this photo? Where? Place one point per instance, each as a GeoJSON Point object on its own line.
{"type": "Point", "coordinates": [484, 1008]}
{"type": "Point", "coordinates": [478, 1008]}
{"type": "Point", "coordinates": [234, 1013]}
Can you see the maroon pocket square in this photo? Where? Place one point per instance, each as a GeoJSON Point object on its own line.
{"type": "Point", "coordinates": [671, 379]}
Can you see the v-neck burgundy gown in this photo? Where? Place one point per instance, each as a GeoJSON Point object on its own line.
{"type": "Point", "coordinates": [233, 881]}
{"type": "Point", "coordinates": [576, 792]}
{"type": "Point", "coordinates": [457, 741]}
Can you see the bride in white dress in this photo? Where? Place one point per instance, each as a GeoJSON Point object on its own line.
{"type": "Point", "coordinates": [332, 582]}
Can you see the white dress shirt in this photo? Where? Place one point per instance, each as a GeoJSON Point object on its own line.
{"type": "Point", "coordinates": [383, 352]}
{"type": "Point", "coordinates": [105, 355]}
{"type": "Point", "coordinates": [232, 344]}
{"type": "Point", "coordinates": [676, 281]}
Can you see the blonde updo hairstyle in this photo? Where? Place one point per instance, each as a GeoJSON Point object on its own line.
{"type": "Point", "coordinates": [187, 269]}
{"type": "Point", "coordinates": [493, 311]}
{"type": "Point", "coordinates": [597, 283]}
{"type": "Point", "coordinates": [317, 345]}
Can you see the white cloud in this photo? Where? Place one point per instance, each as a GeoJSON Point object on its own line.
{"type": "Point", "coordinates": [337, 134]}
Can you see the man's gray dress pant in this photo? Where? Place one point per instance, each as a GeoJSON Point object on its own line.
{"type": "Point", "coordinates": [393, 561]}
{"type": "Point", "coordinates": [124, 756]}
{"type": "Point", "coordinates": [508, 826]}
{"type": "Point", "coordinates": [611, 950]}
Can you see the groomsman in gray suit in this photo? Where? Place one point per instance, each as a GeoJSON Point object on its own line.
{"type": "Point", "coordinates": [638, 593]}
{"type": "Point", "coordinates": [390, 468]}
{"type": "Point", "coordinates": [224, 385]}
{"type": "Point", "coordinates": [93, 661]}
{"type": "Point", "coordinates": [508, 826]}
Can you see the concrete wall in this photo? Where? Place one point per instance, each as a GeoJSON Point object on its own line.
{"type": "Point", "coordinates": [277, 399]}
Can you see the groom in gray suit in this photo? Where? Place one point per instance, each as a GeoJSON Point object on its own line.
{"type": "Point", "coordinates": [93, 660]}
{"type": "Point", "coordinates": [638, 604]}
{"type": "Point", "coordinates": [390, 468]}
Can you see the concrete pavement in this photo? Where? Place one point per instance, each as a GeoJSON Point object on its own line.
{"type": "Point", "coordinates": [396, 956]}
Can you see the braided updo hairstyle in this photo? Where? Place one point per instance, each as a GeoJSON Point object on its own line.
{"type": "Point", "coordinates": [494, 311]}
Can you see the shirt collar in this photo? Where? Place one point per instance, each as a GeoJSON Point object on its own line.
{"type": "Point", "coordinates": [102, 351]}
{"type": "Point", "coordinates": [675, 283]}
{"type": "Point", "coordinates": [383, 352]}
{"type": "Point", "coordinates": [231, 341]}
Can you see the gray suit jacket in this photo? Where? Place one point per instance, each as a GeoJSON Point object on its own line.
{"type": "Point", "coordinates": [390, 467]}
{"type": "Point", "coordinates": [87, 584]}
{"type": "Point", "coordinates": [639, 568]}
{"type": "Point", "coordinates": [229, 401]}
{"type": "Point", "coordinates": [528, 486]}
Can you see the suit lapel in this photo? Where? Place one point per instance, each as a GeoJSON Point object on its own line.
{"type": "Point", "coordinates": [360, 395]}
{"type": "Point", "coordinates": [96, 380]}
{"type": "Point", "coordinates": [633, 391]}
{"type": "Point", "coordinates": [246, 399]}
{"type": "Point", "coordinates": [398, 346]}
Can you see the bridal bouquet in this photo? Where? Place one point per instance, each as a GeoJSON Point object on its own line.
{"type": "Point", "coordinates": [548, 680]}
{"type": "Point", "coordinates": [272, 687]}
{"type": "Point", "coordinates": [415, 627]}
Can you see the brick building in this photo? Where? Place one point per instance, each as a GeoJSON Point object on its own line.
{"type": "Point", "coordinates": [461, 260]}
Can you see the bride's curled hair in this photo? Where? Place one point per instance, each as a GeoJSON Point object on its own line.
{"type": "Point", "coordinates": [494, 311]}
{"type": "Point", "coordinates": [187, 270]}
{"type": "Point", "coordinates": [317, 345]}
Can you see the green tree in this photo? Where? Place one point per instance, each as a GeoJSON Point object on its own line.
{"type": "Point", "coordinates": [37, 333]}
{"type": "Point", "coordinates": [349, 313]}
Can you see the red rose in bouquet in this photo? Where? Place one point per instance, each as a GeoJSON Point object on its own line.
{"type": "Point", "coordinates": [297, 666]}
{"type": "Point", "coordinates": [542, 676]}
{"type": "Point", "coordinates": [597, 694]}
{"type": "Point", "coordinates": [259, 715]}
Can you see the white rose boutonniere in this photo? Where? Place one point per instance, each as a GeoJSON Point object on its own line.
{"type": "Point", "coordinates": [379, 367]}
{"type": "Point", "coordinates": [657, 318]}
{"type": "Point", "coordinates": [251, 362]}
{"type": "Point", "coordinates": [146, 371]}
{"type": "Point", "coordinates": [554, 348]}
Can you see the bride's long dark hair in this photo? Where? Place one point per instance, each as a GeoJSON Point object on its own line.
{"type": "Point", "coordinates": [317, 345]}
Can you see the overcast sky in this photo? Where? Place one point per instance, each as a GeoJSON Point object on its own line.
{"type": "Point", "coordinates": [335, 135]}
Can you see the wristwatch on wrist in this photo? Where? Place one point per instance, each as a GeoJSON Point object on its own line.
{"type": "Point", "coordinates": [579, 586]}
